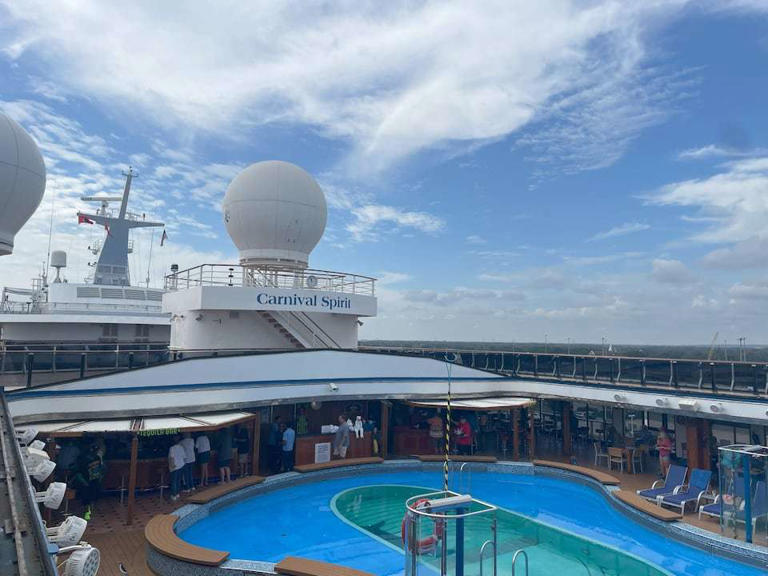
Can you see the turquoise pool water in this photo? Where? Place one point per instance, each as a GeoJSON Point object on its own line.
{"type": "Point", "coordinates": [378, 511]}
{"type": "Point", "coordinates": [299, 521]}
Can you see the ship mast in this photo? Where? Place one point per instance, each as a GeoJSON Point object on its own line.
{"type": "Point", "coordinates": [112, 267]}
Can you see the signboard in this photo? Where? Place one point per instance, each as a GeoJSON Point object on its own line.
{"type": "Point", "coordinates": [322, 452]}
{"type": "Point", "coordinates": [267, 298]}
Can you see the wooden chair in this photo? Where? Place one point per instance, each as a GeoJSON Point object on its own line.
{"type": "Point", "coordinates": [599, 454]}
{"type": "Point", "coordinates": [616, 456]}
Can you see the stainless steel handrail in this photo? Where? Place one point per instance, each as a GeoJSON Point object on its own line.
{"type": "Point", "coordinates": [514, 561]}
{"type": "Point", "coordinates": [468, 488]}
{"type": "Point", "coordinates": [482, 553]}
{"type": "Point", "coordinates": [280, 277]}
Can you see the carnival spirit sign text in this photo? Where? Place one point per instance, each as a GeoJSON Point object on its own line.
{"type": "Point", "coordinates": [320, 303]}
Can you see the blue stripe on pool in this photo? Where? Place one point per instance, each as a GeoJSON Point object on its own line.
{"type": "Point", "coordinates": [298, 521]}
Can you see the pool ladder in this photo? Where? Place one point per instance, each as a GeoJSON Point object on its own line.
{"type": "Point", "coordinates": [463, 484]}
{"type": "Point", "coordinates": [514, 561]}
{"type": "Point", "coordinates": [482, 555]}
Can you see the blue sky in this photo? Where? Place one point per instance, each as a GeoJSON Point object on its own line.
{"type": "Point", "coordinates": [509, 170]}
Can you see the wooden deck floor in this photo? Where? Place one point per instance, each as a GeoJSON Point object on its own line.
{"type": "Point", "coordinates": [126, 547]}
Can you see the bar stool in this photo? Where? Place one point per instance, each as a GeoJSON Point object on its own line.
{"type": "Point", "coordinates": [637, 459]}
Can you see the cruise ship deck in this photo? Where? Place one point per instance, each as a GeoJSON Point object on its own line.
{"type": "Point", "coordinates": [573, 419]}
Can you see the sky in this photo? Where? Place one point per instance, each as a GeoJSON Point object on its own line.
{"type": "Point", "coordinates": [509, 171]}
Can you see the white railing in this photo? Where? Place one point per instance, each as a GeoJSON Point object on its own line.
{"type": "Point", "coordinates": [74, 307]}
{"type": "Point", "coordinates": [270, 277]}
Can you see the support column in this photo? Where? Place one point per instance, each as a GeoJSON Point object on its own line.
{"type": "Point", "coordinates": [516, 434]}
{"type": "Point", "coordinates": [697, 443]}
{"type": "Point", "coordinates": [531, 434]}
{"type": "Point", "coordinates": [132, 479]}
{"type": "Point", "coordinates": [566, 413]}
{"type": "Point", "coordinates": [256, 443]}
{"type": "Point", "coordinates": [384, 429]}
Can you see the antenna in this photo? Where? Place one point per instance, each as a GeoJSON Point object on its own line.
{"type": "Point", "coordinates": [50, 233]}
{"type": "Point", "coordinates": [129, 176]}
{"type": "Point", "coordinates": [149, 262]}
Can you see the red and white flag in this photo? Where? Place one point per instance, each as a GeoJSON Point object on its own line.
{"type": "Point", "coordinates": [83, 219]}
{"type": "Point", "coordinates": [163, 238]}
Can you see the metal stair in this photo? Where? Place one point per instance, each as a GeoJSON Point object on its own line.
{"type": "Point", "coordinates": [275, 323]}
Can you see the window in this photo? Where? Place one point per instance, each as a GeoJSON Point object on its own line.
{"type": "Point", "coordinates": [109, 330]}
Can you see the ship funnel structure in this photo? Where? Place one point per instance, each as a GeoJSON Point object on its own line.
{"type": "Point", "coordinates": [275, 213]}
{"type": "Point", "coordinates": [22, 180]}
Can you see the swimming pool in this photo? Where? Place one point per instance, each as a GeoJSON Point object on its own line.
{"type": "Point", "coordinates": [298, 520]}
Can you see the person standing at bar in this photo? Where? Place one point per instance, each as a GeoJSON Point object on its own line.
{"type": "Point", "coordinates": [302, 424]}
{"type": "Point", "coordinates": [463, 434]}
{"type": "Point", "coordinates": [437, 431]}
{"type": "Point", "coordinates": [289, 439]}
{"type": "Point", "coordinates": [189, 462]}
{"type": "Point", "coordinates": [273, 445]}
{"type": "Point", "coordinates": [341, 439]}
{"type": "Point", "coordinates": [242, 440]}
{"type": "Point", "coordinates": [225, 455]}
{"type": "Point", "coordinates": [203, 448]}
{"type": "Point", "coordinates": [176, 462]}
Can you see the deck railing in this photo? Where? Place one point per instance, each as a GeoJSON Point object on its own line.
{"type": "Point", "coordinates": [270, 277]}
{"type": "Point", "coordinates": [707, 376]}
{"type": "Point", "coordinates": [32, 364]}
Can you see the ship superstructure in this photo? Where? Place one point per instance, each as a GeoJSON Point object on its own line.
{"type": "Point", "coordinates": [106, 308]}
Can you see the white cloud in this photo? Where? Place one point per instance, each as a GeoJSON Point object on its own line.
{"type": "Point", "coordinates": [386, 278]}
{"type": "Point", "coordinates": [371, 220]}
{"type": "Point", "coordinates": [671, 272]}
{"type": "Point", "coordinates": [80, 163]}
{"type": "Point", "coordinates": [714, 151]}
{"type": "Point", "coordinates": [475, 240]}
{"type": "Point", "coordinates": [604, 259]}
{"type": "Point", "coordinates": [392, 80]}
{"type": "Point", "coordinates": [750, 253]}
{"type": "Point", "coordinates": [622, 230]}
{"type": "Point", "coordinates": [749, 291]}
{"type": "Point", "coordinates": [734, 205]}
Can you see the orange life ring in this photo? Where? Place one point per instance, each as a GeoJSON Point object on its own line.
{"type": "Point", "coordinates": [428, 542]}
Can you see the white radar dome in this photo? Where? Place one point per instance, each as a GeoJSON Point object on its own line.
{"type": "Point", "coordinates": [22, 180]}
{"type": "Point", "coordinates": [275, 213]}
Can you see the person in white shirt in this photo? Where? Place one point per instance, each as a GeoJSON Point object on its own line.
{"type": "Point", "coordinates": [203, 448]}
{"type": "Point", "coordinates": [176, 462]}
{"type": "Point", "coordinates": [289, 439]}
{"type": "Point", "coordinates": [189, 461]}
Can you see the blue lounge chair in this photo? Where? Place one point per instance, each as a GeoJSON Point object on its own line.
{"type": "Point", "coordinates": [691, 492]}
{"type": "Point", "coordinates": [759, 504]}
{"type": "Point", "coordinates": [716, 508]}
{"type": "Point", "coordinates": [675, 477]}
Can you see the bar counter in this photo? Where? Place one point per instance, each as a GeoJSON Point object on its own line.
{"type": "Point", "coordinates": [305, 447]}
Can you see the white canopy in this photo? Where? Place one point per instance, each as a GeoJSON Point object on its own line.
{"type": "Point", "coordinates": [140, 425]}
{"type": "Point", "coordinates": [487, 404]}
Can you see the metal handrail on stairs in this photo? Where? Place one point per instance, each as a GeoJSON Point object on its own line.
{"type": "Point", "coordinates": [298, 317]}
{"type": "Point", "coordinates": [514, 561]}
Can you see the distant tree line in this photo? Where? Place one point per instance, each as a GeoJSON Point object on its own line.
{"type": "Point", "coordinates": [692, 352]}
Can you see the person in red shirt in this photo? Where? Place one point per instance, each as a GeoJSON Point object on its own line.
{"type": "Point", "coordinates": [463, 433]}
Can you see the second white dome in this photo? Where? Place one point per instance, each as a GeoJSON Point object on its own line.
{"type": "Point", "coordinates": [275, 213]}
{"type": "Point", "coordinates": [22, 180]}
